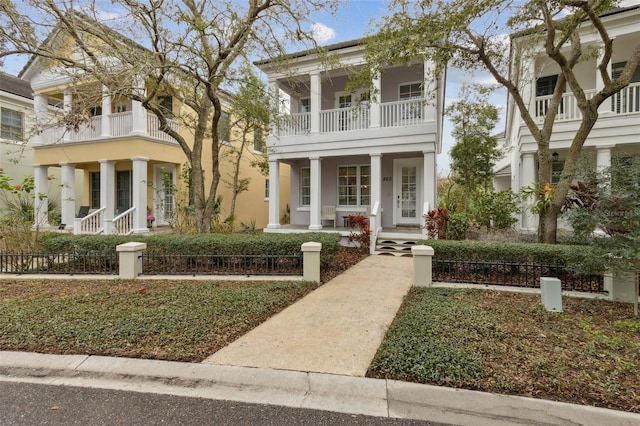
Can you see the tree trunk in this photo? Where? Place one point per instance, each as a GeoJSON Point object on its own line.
{"type": "Point", "coordinates": [548, 227]}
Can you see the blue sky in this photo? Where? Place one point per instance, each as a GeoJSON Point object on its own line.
{"type": "Point", "coordinates": [354, 20]}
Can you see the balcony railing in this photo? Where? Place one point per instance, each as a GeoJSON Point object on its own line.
{"type": "Point", "coordinates": [627, 101]}
{"type": "Point", "coordinates": [121, 125]}
{"type": "Point", "coordinates": [392, 114]}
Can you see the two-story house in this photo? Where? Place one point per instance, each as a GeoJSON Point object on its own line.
{"type": "Point", "coordinates": [132, 171]}
{"type": "Point", "coordinates": [354, 150]}
{"type": "Point", "coordinates": [617, 131]}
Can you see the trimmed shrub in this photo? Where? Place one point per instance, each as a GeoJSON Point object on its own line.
{"type": "Point", "coordinates": [228, 244]}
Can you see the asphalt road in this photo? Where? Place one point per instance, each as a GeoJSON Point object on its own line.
{"type": "Point", "coordinates": [38, 404]}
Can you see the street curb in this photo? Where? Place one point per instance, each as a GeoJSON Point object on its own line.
{"type": "Point", "coordinates": [345, 394]}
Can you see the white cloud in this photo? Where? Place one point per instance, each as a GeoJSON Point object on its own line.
{"type": "Point", "coordinates": [321, 33]}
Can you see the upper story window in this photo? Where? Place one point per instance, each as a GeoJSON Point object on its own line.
{"type": "Point", "coordinates": [616, 70]}
{"type": "Point", "coordinates": [545, 86]}
{"type": "Point", "coordinates": [166, 105]}
{"type": "Point", "coordinates": [410, 91]}
{"type": "Point", "coordinates": [95, 111]}
{"type": "Point", "coordinates": [258, 140]}
{"type": "Point", "coordinates": [304, 105]}
{"type": "Point", "coordinates": [12, 125]}
{"type": "Point", "coordinates": [224, 128]}
{"type": "Point", "coordinates": [343, 101]}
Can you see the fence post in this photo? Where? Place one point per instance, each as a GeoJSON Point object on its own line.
{"type": "Point", "coordinates": [551, 291]}
{"type": "Point", "coordinates": [422, 261]}
{"type": "Point", "coordinates": [130, 257]}
{"type": "Point", "coordinates": [620, 286]}
{"type": "Point", "coordinates": [311, 261]}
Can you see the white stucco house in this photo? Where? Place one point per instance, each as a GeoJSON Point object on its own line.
{"type": "Point", "coordinates": [617, 131]}
{"type": "Point", "coordinates": [352, 151]}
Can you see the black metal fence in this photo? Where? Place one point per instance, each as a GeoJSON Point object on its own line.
{"type": "Point", "coordinates": [513, 274]}
{"type": "Point", "coordinates": [163, 264]}
{"type": "Point", "coordinates": [59, 263]}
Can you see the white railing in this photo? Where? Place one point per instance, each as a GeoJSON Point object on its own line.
{"type": "Point", "coordinates": [123, 223]}
{"type": "Point", "coordinates": [344, 119]}
{"type": "Point", "coordinates": [295, 124]}
{"type": "Point", "coordinates": [90, 224]}
{"type": "Point", "coordinates": [153, 128]}
{"type": "Point", "coordinates": [402, 113]}
{"type": "Point", "coordinates": [627, 101]}
{"type": "Point", "coordinates": [121, 125]}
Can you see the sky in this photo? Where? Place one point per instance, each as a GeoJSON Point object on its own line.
{"type": "Point", "coordinates": [354, 20]}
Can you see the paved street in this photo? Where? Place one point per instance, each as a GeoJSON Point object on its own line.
{"type": "Point", "coordinates": [38, 404]}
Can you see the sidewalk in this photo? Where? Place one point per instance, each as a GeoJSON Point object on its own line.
{"type": "Point", "coordinates": [335, 329]}
{"type": "Point", "coordinates": [345, 394]}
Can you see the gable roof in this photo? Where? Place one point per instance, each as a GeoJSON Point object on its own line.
{"type": "Point", "coordinates": [15, 85]}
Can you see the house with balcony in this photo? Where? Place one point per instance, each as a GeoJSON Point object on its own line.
{"type": "Point", "coordinates": [131, 170]}
{"type": "Point", "coordinates": [617, 131]}
{"type": "Point", "coordinates": [370, 150]}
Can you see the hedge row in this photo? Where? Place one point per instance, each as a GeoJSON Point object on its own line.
{"type": "Point", "coordinates": [228, 244]}
{"type": "Point", "coordinates": [579, 256]}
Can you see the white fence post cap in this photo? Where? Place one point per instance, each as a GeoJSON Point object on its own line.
{"type": "Point", "coordinates": [420, 250]}
{"type": "Point", "coordinates": [132, 246]}
{"type": "Point", "coordinates": [311, 246]}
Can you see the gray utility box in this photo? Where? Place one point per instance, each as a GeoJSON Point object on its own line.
{"type": "Point", "coordinates": [551, 294]}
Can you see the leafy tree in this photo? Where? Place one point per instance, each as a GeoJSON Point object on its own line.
{"type": "Point", "coordinates": [474, 152]}
{"type": "Point", "coordinates": [471, 36]}
{"type": "Point", "coordinates": [191, 48]}
{"type": "Point", "coordinates": [608, 202]}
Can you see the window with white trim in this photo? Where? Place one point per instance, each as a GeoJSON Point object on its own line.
{"type": "Point", "coordinates": [224, 128]}
{"type": "Point", "coordinates": [304, 105]}
{"type": "Point", "coordinates": [408, 92]}
{"type": "Point", "coordinates": [354, 186]}
{"type": "Point", "coordinates": [258, 141]}
{"type": "Point", "coordinates": [12, 125]}
{"type": "Point", "coordinates": [305, 186]}
{"type": "Point", "coordinates": [266, 188]}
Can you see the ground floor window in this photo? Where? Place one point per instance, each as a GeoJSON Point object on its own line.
{"type": "Point", "coordinates": [94, 185]}
{"type": "Point", "coordinates": [305, 186]}
{"type": "Point", "coordinates": [354, 185]}
{"type": "Point", "coordinates": [123, 190]}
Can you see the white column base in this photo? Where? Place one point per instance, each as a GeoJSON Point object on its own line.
{"type": "Point", "coordinates": [315, 227]}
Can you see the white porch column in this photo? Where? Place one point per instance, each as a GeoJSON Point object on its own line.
{"type": "Point", "coordinates": [40, 117]}
{"type": "Point", "coordinates": [605, 107]}
{"type": "Point", "coordinates": [274, 94]}
{"type": "Point", "coordinates": [316, 98]}
{"type": "Point", "coordinates": [68, 191]}
{"type": "Point", "coordinates": [429, 180]}
{"type": "Point", "coordinates": [274, 194]}
{"type": "Point", "coordinates": [139, 192]}
{"type": "Point", "coordinates": [603, 157]}
{"type": "Point", "coordinates": [376, 178]}
{"type": "Point", "coordinates": [107, 193]}
{"type": "Point", "coordinates": [106, 112]}
{"type": "Point", "coordinates": [528, 177]}
{"type": "Point", "coordinates": [374, 106]}
{"type": "Point", "coordinates": [430, 87]}
{"type": "Point", "coordinates": [41, 202]}
{"type": "Point", "coordinates": [67, 104]}
{"type": "Point", "coordinates": [138, 113]}
{"type": "Point", "coordinates": [316, 194]}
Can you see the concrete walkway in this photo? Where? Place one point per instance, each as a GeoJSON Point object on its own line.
{"type": "Point", "coordinates": [336, 329]}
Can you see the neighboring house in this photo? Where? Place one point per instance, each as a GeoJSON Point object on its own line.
{"type": "Point", "coordinates": [617, 130]}
{"type": "Point", "coordinates": [374, 155]}
{"type": "Point", "coordinates": [16, 153]}
{"type": "Point", "coordinates": [130, 168]}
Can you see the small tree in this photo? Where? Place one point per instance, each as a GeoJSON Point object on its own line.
{"type": "Point", "coordinates": [608, 202]}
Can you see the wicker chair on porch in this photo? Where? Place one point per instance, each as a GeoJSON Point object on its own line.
{"type": "Point", "coordinates": [328, 213]}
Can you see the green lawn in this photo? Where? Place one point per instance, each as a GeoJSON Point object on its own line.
{"type": "Point", "coordinates": [171, 320]}
{"type": "Point", "coordinates": [507, 343]}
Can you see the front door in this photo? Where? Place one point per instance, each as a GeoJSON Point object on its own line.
{"type": "Point", "coordinates": [164, 188]}
{"type": "Point", "coordinates": [407, 191]}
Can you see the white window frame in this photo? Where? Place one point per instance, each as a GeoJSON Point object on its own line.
{"type": "Point", "coordinates": [266, 189]}
{"type": "Point", "coordinates": [410, 111]}
{"type": "Point", "coordinates": [302, 187]}
{"type": "Point", "coordinates": [302, 109]}
{"type": "Point", "coordinates": [11, 128]}
{"type": "Point", "coordinates": [359, 186]}
{"type": "Point", "coordinates": [259, 131]}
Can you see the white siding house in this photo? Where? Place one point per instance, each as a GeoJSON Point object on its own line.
{"type": "Point", "coordinates": [374, 155]}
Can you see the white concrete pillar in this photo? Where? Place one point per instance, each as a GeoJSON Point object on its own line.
{"type": "Point", "coordinates": [130, 259]}
{"type": "Point", "coordinates": [139, 193]}
{"type": "Point", "coordinates": [603, 157]}
{"type": "Point", "coordinates": [138, 113]}
{"type": "Point", "coordinates": [107, 193]}
{"type": "Point", "coordinates": [274, 194]}
{"type": "Point", "coordinates": [311, 261]}
{"type": "Point", "coordinates": [67, 194]}
{"type": "Point", "coordinates": [315, 101]}
{"type": "Point", "coordinates": [375, 179]}
{"type": "Point", "coordinates": [429, 90]}
{"type": "Point", "coordinates": [528, 177]}
{"type": "Point", "coordinates": [375, 100]}
{"type": "Point", "coordinates": [274, 98]}
{"type": "Point", "coordinates": [422, 265]}
{"type": "Point", "coordinates": [316, 194]}
{"type": "Point", "coordinates": [39, 116]}
{"type": "Point", "coordinates": [67, 105]}
{"type": "Point", "coordinates": [429, 180]}
{"type": "Point", "coordinates": [41, 202]}
{"type": "Point", "coordinates": [106, 112]}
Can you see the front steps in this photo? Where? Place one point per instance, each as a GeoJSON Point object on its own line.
{"type": "Point", "coordinates": [394, 244]}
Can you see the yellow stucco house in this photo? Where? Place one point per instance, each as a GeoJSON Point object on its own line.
{"type": "Point", "coordinates": [131, 169]}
